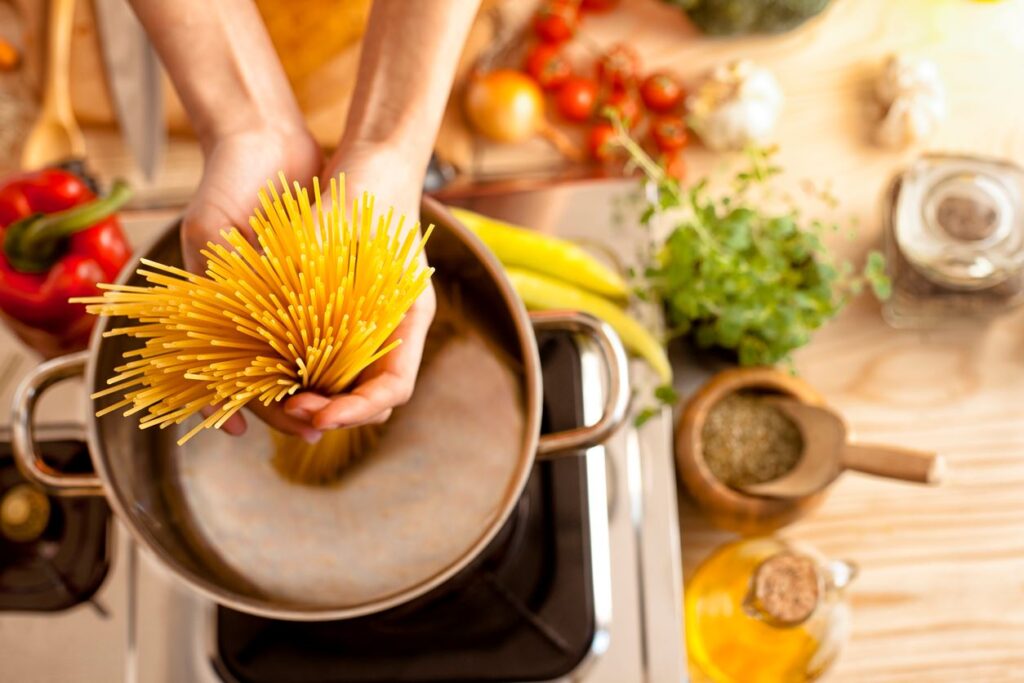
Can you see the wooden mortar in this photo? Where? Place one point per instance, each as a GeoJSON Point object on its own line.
{"type": "Point", "coordinates": [726, 507]}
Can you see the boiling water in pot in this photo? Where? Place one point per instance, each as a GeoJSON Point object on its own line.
{"type": "Point", "coordinates": [410, 509]}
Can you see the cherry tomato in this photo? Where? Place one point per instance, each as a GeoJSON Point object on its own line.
{"type": "Point", "coordinates": [599, 142]}
{"type": "Point", "coordinates": [576, 99]}
{"type": "Point", "coordinates": [669, 133]}
{"type": "Point", "coordinates": [556, 21]}
{"type": "Point", "coordinates": [599, 5]}
{"type": "Point", "coordinates": [661, 92]}
{"type": "Point", "coordinates": [618, 66]}
{"type": "Point", "coordinates": [546, 64]}
{"type": "Point", "coordinates": [674, 164]}
{"type": "Point", "coordinates": [626, 107]}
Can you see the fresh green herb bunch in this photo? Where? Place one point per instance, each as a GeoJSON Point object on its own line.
{"type": "Point", "coordinates": [733, 275]}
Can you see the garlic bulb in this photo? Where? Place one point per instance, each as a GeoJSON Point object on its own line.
{"type": "Point", "coordinates": [738, 104]}
{"type": "Point", "coordinates": [913, 100]}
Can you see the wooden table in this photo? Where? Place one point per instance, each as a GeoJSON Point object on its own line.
{"type": "Point", "coordinates": [941, 594]}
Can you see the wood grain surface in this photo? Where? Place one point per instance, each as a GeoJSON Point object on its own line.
{"type": "Point", "coordinates": [941, 591]}
{"type": "Point", "coordinates": [318, 42]}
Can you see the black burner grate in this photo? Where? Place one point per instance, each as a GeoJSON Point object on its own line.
{"type": "Point", "coordinates": [66, 564]}
{"type": "Point", "coordinates": [523, 612]}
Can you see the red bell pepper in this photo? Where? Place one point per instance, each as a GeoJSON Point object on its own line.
{"type": "Point", "coordinates": [57, 241]}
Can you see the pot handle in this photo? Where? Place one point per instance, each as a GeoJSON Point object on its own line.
{"type": "Point", "coordinates": [23, 441]}
{"type": "Point", "coordinates": [616, 400]}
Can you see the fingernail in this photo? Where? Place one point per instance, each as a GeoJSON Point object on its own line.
{"type": "Point", "coordinates": [298, 413]}
{"type": "Point", "coordinates": [311, 436]}
{"type": "Point", "coordinates": [339, 416]}
{"type": "Point", "coordinates": [334, 422]}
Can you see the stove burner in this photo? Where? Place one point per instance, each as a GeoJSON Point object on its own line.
{"type": "Point", "coordinates": [63, 560]}
{"type": "Point", "coordinates": [523, 611]}
{"type": "Point", "coordinates": [24, 513]}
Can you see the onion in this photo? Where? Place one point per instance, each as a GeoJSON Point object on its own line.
{"type": "Point", "coordinates": [505, 106]}
{"type": "Point", "coordinates": [508, 106]}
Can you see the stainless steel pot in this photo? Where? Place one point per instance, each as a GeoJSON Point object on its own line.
{"type": "Point", "coordinates": [142, 474]}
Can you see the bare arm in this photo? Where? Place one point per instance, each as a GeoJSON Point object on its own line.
{"type": "Point", "coordinates": [408, 62]}
{"type": "Point", "coordinates": [409, 57]}
{"type": "Point", "coordinates": [224, 67]}
{"type": "Point", "coordinates": [222, 64]}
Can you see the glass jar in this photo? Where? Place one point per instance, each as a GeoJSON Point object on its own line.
{"type": "Point", "coordinates": [954, 233]}
{"type": "Point", "coordinates": [766, 611]}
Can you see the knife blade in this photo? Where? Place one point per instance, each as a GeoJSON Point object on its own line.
{"type": "Point", "coordinates": [134, 78]}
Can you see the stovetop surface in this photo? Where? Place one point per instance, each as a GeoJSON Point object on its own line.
{"type": "Point", "coordinates": [65, 564]}
{"type": "Point", "coordinates": [154, 630]}
{"type": "Point", "coordinates": [523, 611]}
{"type": "Point", "coordinates": [66, 594]}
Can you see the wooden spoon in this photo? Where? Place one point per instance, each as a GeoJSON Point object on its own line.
{"type": "Point", "coordinates": [827, 453]}
{"type": "Point", "coordinates": [55, 135]}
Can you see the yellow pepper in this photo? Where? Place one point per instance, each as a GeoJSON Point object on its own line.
{"type": "Point", "coordinates": [523, 248]}
{"type": "Point", "coordinates": [542, 293]}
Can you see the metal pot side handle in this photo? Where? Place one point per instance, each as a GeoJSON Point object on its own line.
{"type": "Point", "coordinates": [26, 454]}
{"type": "Point", "coordinates": [616, 400]}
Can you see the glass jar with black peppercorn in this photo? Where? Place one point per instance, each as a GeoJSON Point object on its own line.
{"type": "Point", "coordinates": [955, 241]}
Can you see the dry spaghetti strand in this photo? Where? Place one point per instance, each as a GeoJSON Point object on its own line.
{"type": "Point", "coordinates": [307, 310]}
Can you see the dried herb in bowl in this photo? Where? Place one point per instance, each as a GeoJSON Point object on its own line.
{"type": "Point", "coordinates": [748, 441]}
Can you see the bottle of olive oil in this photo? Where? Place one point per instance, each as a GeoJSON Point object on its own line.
{"type": "Point", "coordinates": [766, 611]}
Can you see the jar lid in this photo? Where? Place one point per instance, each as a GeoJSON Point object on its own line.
{"type": "Point", "coordinates": [958, 220]}
{"type": "Point", "coordinates": [786, 588]}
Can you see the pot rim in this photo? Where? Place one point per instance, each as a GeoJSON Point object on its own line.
{"type": "Point", "coordinates": [531, 373]}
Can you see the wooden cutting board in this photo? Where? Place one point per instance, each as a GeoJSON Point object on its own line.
{"type": "Point", "coordinates": [318, 42]}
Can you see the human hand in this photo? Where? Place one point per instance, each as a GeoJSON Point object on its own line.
{"type": "Point", "coordinates": [388, 383]}
{"type": "Point", "coordinates": [237, 166]}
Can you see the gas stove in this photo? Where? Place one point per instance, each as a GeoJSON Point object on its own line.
{"type": "Point", "coordinates": [534, 607]}
{"type": "Point", "coordinates": [63, 582]}
{"type": "Point", "coordinates": [583, 583]}
{"type": "Point", "coordinates": [54, 552]}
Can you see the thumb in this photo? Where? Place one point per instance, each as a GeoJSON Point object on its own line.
{"type": "Point", "coordinates": [205, 223]}
{"type": "Point", "coordinates": [200, 226]}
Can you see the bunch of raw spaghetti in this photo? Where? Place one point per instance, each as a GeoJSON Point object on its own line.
{"type": "Point", "coordinates": [308, 310]}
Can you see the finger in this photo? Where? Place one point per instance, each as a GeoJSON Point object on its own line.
{"type": "Point", "coordinates": [203, 225]}
{"type": "Point", "coordinates": [370, 403]}
{"type": "Point", "coordinates": [404, 360]}
{"type": "Point", "coordinates": [387, 383]}
{"type": "Point", "coordinates": [303, 406]}
{"type": "Point", "coordinates": [196, 232]}
{"type": "Point", "coordinates": [275, 416]}
{"type": "Point", "coordinates": [234, 425]}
